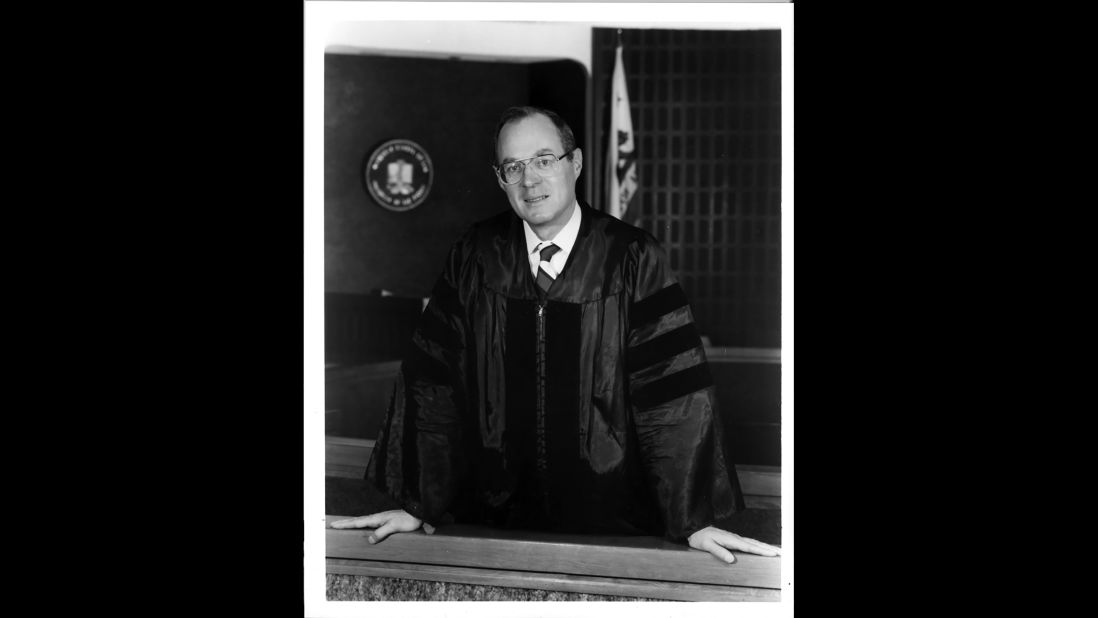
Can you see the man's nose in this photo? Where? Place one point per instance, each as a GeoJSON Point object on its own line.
{"type": "Point", "coordinates": [529, 176]}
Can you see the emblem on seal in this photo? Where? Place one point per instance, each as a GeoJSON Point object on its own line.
{"type": "Point", "coordinates": [398, 175]}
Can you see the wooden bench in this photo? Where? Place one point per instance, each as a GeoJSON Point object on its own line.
{"type": "Point", "coordinates": [645, 567]}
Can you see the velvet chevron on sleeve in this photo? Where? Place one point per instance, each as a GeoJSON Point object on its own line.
{"type": "Point", "coordinates": [671, 391]}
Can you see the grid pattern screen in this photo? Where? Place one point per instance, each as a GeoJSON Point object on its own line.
{"type": "Point", "coordinates": [706, 114]}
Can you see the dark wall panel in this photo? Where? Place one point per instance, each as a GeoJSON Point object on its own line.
{"type": "Point", "coordinates": [560, 86]}
{"type": "Point", "coordinates": [449, 107]}
{"type": "Point", "coordinates": [359, 328]}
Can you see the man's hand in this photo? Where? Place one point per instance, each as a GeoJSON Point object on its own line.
{"type": "Point", "coordinates": [715, 540]}
{"type": "Point", "coordinates": [386, 523]}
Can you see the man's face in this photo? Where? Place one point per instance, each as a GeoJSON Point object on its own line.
{"type": "Point", "coordinates": [545, 202]}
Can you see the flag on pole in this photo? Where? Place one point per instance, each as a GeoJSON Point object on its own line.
{"type": "Point", "coordinates": [621, 163]}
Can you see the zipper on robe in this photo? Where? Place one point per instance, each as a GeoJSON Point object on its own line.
{"type": "Point", "coordinates": [542, 459]}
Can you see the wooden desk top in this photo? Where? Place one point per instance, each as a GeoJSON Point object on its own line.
{"type": "Point", "coordinates": [635, 558]}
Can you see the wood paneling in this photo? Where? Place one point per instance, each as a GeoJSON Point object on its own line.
{"type": "Point", "coordinates": [361, 328]}
{"type": "Point", "coordinates": [356, 398]}
{"type": "Point", "coordinates": [760, 480]}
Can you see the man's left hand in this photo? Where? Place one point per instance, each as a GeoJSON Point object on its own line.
{"type": "Point", "coordinates": [718, 542]}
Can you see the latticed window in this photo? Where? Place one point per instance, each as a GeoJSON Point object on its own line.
{"type": "Point", "coordinates": [706, 110]}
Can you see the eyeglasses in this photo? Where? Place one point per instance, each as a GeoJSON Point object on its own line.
{"type": "Point", "coordinates": [545, 165]}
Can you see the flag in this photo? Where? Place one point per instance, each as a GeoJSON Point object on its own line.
{"type": "Point", "coordinates": [621, 163]}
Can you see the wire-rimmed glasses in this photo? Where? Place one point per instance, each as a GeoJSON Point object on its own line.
{"type": "Point", "coordinates": [545, 165]}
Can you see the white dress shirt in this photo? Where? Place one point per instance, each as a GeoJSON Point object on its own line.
{"type": "Point", "coordinates": [564, 239]}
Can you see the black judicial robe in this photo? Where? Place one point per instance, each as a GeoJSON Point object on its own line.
{"type": "Point", "coordinates": [586, 409]}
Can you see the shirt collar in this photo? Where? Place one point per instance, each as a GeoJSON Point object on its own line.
{"type": "Point", "coordinates": [564, 239]}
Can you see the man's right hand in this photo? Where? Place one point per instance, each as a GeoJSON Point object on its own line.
{"type": "Point", "coordinates": [386, 523]}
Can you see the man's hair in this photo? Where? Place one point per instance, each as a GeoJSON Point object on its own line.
{"type": "Point", "coordinates": [512, 114]}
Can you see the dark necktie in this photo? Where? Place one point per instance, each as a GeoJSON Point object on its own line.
{"type": "Point", "coordinates": [545, 280]}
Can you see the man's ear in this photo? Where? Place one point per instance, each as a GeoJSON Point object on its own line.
{"type": "Point", "coordinates": [577, 161]}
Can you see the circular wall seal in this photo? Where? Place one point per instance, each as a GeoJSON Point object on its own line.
{"type": "Point", "coordinates": [398, 175]}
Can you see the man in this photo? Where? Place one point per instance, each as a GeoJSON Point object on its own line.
{"type": "Point", "coordinates": [556, 380]}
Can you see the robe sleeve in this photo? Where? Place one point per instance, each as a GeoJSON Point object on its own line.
{"type": "Point", "coordinates": [680, 434]}
{"type": "Point", "coordinates": [418, 459]}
